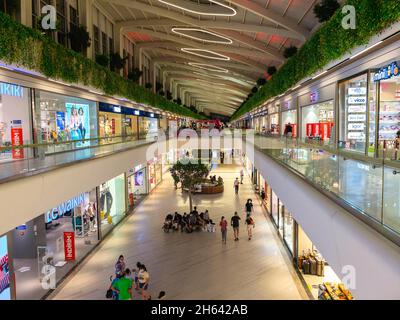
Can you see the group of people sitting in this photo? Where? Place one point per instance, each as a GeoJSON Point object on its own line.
{"type": "Point", "coordinates": [189, 222]}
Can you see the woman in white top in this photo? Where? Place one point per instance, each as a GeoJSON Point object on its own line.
{"type": "Point", "coordinates": [144, 278]}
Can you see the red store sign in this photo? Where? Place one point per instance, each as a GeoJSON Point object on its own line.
{"type": "Point", "coordinates": [69, 246]}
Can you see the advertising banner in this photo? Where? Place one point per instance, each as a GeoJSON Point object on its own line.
{"type": "Point", "coordinates": [17, 139]}
{"type": "Point", "coordinates": [69, 246]}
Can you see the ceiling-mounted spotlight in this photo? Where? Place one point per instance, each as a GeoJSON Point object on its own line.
{"type": "Point", "coordinates": [202, 53]}
{"type": "Point", "coordinates": [208, 67]}
{"type": "Point", "coordinates": [181, 31]}
{"type": "Point", "coordinates": [195, 8]}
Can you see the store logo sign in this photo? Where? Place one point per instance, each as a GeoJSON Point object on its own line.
{"type": "Point", "coordinates": [59, 212]}
{"type": "Point", "coordinates": [11, 90]}
{"type": "Point", "coordinates": [357, 100]}
{"type": "Point", "coordinates": [356, 126]}
{"type": "Point", "coordinates": [357, 91]}
{"type": "Point", "coordinates": [69, 246]}
{"type": "Point", "coordinates": [314, 96]}
{"type": "Point", "coordinates": [392, 70]}
{"type": "Point", "coordinates": [357, 108]}
{"type": "Point", "coordinates": [117, 109]}
{"type": "Point", "coordinates": [357, 117]}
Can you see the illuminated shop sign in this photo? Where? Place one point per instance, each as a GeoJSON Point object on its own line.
{"type": "Point", "coordinates": [117, 109]}
{"type": "Point", "coordinates": [357, 91]}
{"type": "Point", "coordinates": [357, 117]}
{"type": "Point", "coordinates": [12, 90]}
{"type": "Point", "coordinates": [59, 211]}
{"type": "Point", "coordinates": [357, 100]}
{"type": "Point", "coordinates": [314, 96]}
{"type": "Point", "coordinates": [392, 70]}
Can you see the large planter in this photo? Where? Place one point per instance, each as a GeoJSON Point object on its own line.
{"type": "Point", "coordinates": [208, 189]}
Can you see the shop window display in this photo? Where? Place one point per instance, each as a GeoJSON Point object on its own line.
{"type": "Point", "coordinates": [389, 113]}
{"type": "Point", "coordinates": [148, 127]}
{"type": "Point", "coordinates": [274, 207]}
{"type": "Point", "coordinates": [41, 255]}
{"type": "Point", "coordinates": [112, 203]}
{"type": "Point", "coordinates": [131, 127]}
{"type": "Point", "coordinates": [63, 118]}
{"type": "Point", "coordinates": [110, 125]}
{"type": "Point", "coordinates": [318, 121]}
{"type": "Point", "coordinates": [289, 117]}
{"type": "Point", "coordinates": [137, 186]}
{"type": "Point", "coordinates": [353, 114]}
{"type": "Point", "coordinates": [321, 279]}
{"type": "Point", "coordinates": [15, 128]}
{"type": "Point", "coordinates": [288, 229]}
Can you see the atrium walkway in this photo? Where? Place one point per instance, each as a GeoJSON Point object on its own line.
{"type": "Point", "coordinates": [197, 265]}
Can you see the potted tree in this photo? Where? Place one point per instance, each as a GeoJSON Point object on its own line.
{"type": "Point", "coordinates": [189, 175]}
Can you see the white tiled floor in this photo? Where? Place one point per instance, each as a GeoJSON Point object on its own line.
{"type": "Point", "coordinates": [197, 265]}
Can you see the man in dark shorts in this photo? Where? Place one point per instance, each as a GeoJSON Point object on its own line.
{"type": "Point", "coordinates": [235, 225]}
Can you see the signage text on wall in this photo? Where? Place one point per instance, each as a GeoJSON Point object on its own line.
{"type": "Point", "coordinates": [58, 212]}
{"type": "Point", "coordinates": [391, 70]}
{"type": "Point", "coordinates": [11, 90]}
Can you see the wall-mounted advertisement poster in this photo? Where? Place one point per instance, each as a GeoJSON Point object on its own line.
{"type": "Point", "coordinates": [5, 293]}
{"type": "Point", "coordinates": [77, 120]}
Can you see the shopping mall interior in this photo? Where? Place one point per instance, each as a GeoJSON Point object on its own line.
{"type": "Point", "coordinates": [226, 150]}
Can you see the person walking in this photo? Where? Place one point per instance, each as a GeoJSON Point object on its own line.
{"type": "Point", "coordinates": [120, 266]}
{"type": "Point", "coordinates": [235, 220]}
{"type": "Point", "coordinates": [224, 228]}
{"type": "Point", "coordinates": [250, 226]}
{"type": "Point", "coordinates": [241, 176]}
{"type": "Point", "coordinates": [249, 207]}
{"type": "Point", "coordinates": [262, 194]}
{"type": "Point", "coordinates": [123, 286]}
{"type": "Point", "coordinates": [236, 186]}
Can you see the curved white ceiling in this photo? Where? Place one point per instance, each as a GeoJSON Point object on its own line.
{"type": "Point", "coordinates": [202, 35]}
{"type": "Point", "coordinates": [208, 54]}
{"type": "Point", "coordinates": [218, 9]}
{"type": "Point", "coordinates": [208, 67]}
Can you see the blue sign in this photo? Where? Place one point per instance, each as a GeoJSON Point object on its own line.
{"type": "Point", "coordinates": [58, 212]}
{"type": "Point", "coordinates": [12, 90]}
{"type": "Point", "coordinates": [392, 70]}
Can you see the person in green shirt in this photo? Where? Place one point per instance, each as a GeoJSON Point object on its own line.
{"type": "Point", "coordinates": [123, 286]}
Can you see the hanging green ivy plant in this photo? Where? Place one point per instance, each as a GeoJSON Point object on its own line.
{"type": "Point", "coordinates": [327, 44]}
{"type": "Point", "coordinates": [28, 48]}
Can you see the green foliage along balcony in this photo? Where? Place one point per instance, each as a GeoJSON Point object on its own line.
{"type": "Point", "coordinates": [28, 48]}
{"type": "Point", "coordinates": [329, 43]}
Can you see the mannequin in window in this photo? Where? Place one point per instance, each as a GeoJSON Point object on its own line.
{"type": "Point", "coordinates": [106, 200]}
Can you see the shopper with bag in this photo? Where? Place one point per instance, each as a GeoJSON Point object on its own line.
{"type": "Point", "coordinates": [250, 226]}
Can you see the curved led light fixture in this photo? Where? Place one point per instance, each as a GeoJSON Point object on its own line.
{"type": "Point", "coordinates": [174, 3]}
{"type": "Point", "coordinates": [224, 40]}
{"type": "Point", "coordinates": [213, 55]}
{"type": "Point", "coordinates": [208, 67]}
{"type": "Point", "coordinates": [215, 77]}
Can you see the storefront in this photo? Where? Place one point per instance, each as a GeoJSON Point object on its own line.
{"type": "Point", "coordinates": [137, 185]}
{"type": "Point", "coordinates": [273, 122]}
{"type": "Point", "coordinates": [321, 280]}
{"type": "Point", "coordinates": [353, 113]}
{"type": "Point", "coordinates": [318, 121]}
{"type": "Point", "coordinates": [319, 277]}
{"type": "Point", "coordinates": [148, 126]}
{"type": "Point", "coordinates": [46, 248]}
{"type": "Point", "coordinates": [112, 203]}
{"type": "Point", "coordinates": [155, 172]}
{"type": "Point", "coordinates": [385, 81]}
{"type": "Point", "coordinates": [111, 122]}
{"type": "Point", "coordinates": [60, 118]}
{"type": "Point", "coordinates": [15, 120]}
{"type": "Point", "coordinates": [289, 116]}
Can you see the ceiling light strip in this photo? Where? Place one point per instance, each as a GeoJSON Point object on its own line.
{"type": "Point", "coordinates": [217, 56]}
{"type": "Point", "coordinates": [234, 12]}
{"type": "Point", "coordinates": [208, 67]}
{"type": "Point", "coordinates": [178, 31]}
